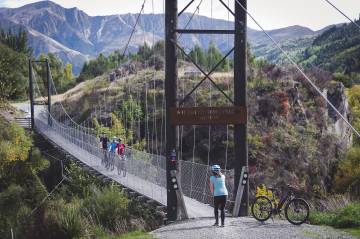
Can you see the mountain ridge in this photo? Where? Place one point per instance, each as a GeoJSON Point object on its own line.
{"type": "Point", "coordinates": [78, 37]}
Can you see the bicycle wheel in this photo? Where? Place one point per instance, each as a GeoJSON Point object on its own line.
{"type": "Point", "coordinates": [261, 208]}
{"type": "Point", "coordinates": [297, 211]}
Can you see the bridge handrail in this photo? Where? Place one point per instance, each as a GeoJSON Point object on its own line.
{"type": "Point", "coordinates": [194, 176]}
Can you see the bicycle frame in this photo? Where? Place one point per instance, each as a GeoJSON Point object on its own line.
{"type": "Point", "coordinates": [273, 206]}
{"type": "Point", "coordinates": [288, 196]}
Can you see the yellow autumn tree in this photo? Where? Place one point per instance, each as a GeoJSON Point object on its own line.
{"type": "Point", "coordinates": [14, 144]}
{"type": "Point", "coordinates": [347, 177]}
{"type": "Point", "coordinates": [118, 130]}
{"type": "Point", "coordinates": [354, 102]}
{"type": "Point", "coordinates": [68, 72]}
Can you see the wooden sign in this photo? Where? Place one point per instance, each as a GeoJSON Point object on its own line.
{"type": "Point", "coordinates": [208, 115]}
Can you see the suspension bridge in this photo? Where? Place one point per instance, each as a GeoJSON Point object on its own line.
{"type": "Point", "coordinates": [151, 173]}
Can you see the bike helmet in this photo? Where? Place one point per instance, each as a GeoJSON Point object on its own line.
{"type": "Point", "coordinates": [215, 168]}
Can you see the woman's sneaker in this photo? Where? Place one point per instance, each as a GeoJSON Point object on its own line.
{"type": "Point", "coordinates": [216, 224]}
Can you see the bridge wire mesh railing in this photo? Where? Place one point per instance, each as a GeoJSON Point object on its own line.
{"type": "Point", "coordinates": [137, 163]}
{"type": "Point", "coordinates": [148, 167]}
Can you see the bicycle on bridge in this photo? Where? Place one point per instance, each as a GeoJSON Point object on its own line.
{"type": "Point", "coordinates": [296, 209]}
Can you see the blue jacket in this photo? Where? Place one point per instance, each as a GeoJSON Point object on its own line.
{"type": "Point", "coordinates": [112, 147]}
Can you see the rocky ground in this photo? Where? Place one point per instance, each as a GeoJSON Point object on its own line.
{"type": "Point", "coordinates": [244, 228]}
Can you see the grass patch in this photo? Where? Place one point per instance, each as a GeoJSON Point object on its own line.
{"type": "Point", "coordinates": [346, 218]}
{"type": "Point", "coordinates": [353, 231]}
{"type": "Point", "coordinates": [136, 235]}
{"type": "Point", "coordinates": [322, 218]}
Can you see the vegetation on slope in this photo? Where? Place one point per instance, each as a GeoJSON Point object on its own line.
{"type": "Point", "coordinates": [14, 68]}
{"type": "Point", "coordinates": [293, 47]}
{"type": "Point", "coordinates": [347, 178]}
{"type": "Point", "coordinates": [288, 127]}
{"type": "Point", "coordinates": [337, 50]}
{"type": "Point", "coordinates": [82, 206]}
{"type": "Point", "coordinates": [13, 65]}
{"type": "Point", "coordinates": [151, 57]}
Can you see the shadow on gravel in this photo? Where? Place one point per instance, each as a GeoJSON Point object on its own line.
{"type": "Point", "coordinates": [250, 225]}
{"type": "Point", "coordinates": [186, 229]}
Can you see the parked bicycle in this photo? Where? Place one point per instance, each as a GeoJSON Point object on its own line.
{"type": "Point", "coordinates": [296, 209]}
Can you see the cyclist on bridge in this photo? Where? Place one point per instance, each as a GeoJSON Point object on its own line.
{"type": "Point", "coordinates": [112, 150]}
{"type": "Point", "coordinates": [120, 150]}
{"type": "Point", "coordinates": [218, 189]}
{"type": "Point", "coordinates": [104, 145]}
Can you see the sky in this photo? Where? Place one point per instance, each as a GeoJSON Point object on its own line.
{"type": "Point", "coordinates": [273, 14]}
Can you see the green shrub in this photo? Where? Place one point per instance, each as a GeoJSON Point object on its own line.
{"type": "Point", "coordinates": [71, 221]}
{"type": "Point", "coordinates": [345, 79]}
{"type": "Point", "coordinates": [346, 217]}
{"type": "Point", "coordinates": [109, 207]}
{"type": "Point", "coordinates": [64, 220]}
{"type": "Point", "coordinates": [322, 218]}
{"type": "Point", "coordinates": [349, 216]}
{"type": "Point", "coordinates": [14, 145]}
{"type": "Point", "coordinates": [136, 235]}
{"type": "Point", "coordinates": [347, 177]}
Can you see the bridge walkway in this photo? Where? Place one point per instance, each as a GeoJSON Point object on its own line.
{"type": "Point", "coordinates": [144, 187]}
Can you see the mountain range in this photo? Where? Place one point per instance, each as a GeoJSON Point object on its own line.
{"type": "Point", "coordinates": [77, 37]}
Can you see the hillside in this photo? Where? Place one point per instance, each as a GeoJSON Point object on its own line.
{"type": "Point", "coordinates": [293, 135]}
{"type": "Point", "coordinates": [294, 47]}
{"type": "Point", "coordinates": [76, 37]}
{"type": "Point", "coordinates": [336, 50]}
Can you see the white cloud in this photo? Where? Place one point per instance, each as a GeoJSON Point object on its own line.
{"type": "Point", "coordinates": [271, 14]}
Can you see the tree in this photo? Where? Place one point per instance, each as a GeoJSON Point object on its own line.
{"type": "Point", "coordinates": [159, 48]}
{"type": "Point", "coordinates": [198, 56]}
{"type": "Point", "coordinates": [348, 174]}
{"type": "Point", "coordinates": [145, 52]}
{"type": "Point", "coordinates": [214, 56]}
{"type": "Point", "coordinates": [13, 74]}
{"type": "Point", "coordinates": [354, 102]}
{"type": "Point", "coordinates": [68, 72]}
{"type": "Point", "coordinates": [15, 145]}
{"type": "Point", "coordinates": [61, 74]}
{"type": "Point", "coordinates": [17, 42]}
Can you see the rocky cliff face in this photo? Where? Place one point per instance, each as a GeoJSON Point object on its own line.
{"type": "Point", "coordinates": [302, 137]}
{"type": "Point", "coordinates": [336, 95]}
{"type": "Point", "coordinates": [76, 37]}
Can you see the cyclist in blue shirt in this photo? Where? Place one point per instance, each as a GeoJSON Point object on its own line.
{"type": "Point", "coordinates": [113, 145]}
{"type": "Point", "coordinates": [112, 150]}
{"type": "Point", "coordinates": [218, 189]}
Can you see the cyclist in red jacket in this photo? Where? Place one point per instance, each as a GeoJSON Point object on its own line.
{"type": "Point", "coordinates": [120, 147]}
{"type": "Point", "coordinates": [120, 150]}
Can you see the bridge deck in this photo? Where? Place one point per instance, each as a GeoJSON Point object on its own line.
{"type": "Point", "coordinates": [195, 209]}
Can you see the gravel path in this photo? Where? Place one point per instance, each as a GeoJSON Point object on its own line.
{"type": "Point", "coordinates": [244, 228]}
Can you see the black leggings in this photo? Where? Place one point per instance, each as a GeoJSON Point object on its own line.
{"type": "Point", "coordinates": [219, 203]}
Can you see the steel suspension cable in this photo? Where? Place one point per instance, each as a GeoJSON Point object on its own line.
{"type": "Point", "coordinates": [342, 13]}
{"type": "Point", "coordinates": [134, 28]}
{"type": "Point", "coordinates": [299, 69]}
{"type": "Point", "coordinates": [60, 102]}
{"type": "Point", "coordinates": [154, 82]}
{"type": "Point", "coordinates": [191, 18]}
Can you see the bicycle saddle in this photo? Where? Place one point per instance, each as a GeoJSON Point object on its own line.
{"type": "Point", "coordinates": [292, 187]}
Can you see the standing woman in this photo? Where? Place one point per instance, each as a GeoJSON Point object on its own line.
{"type": "Point", "coordinates": [218, 189]}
